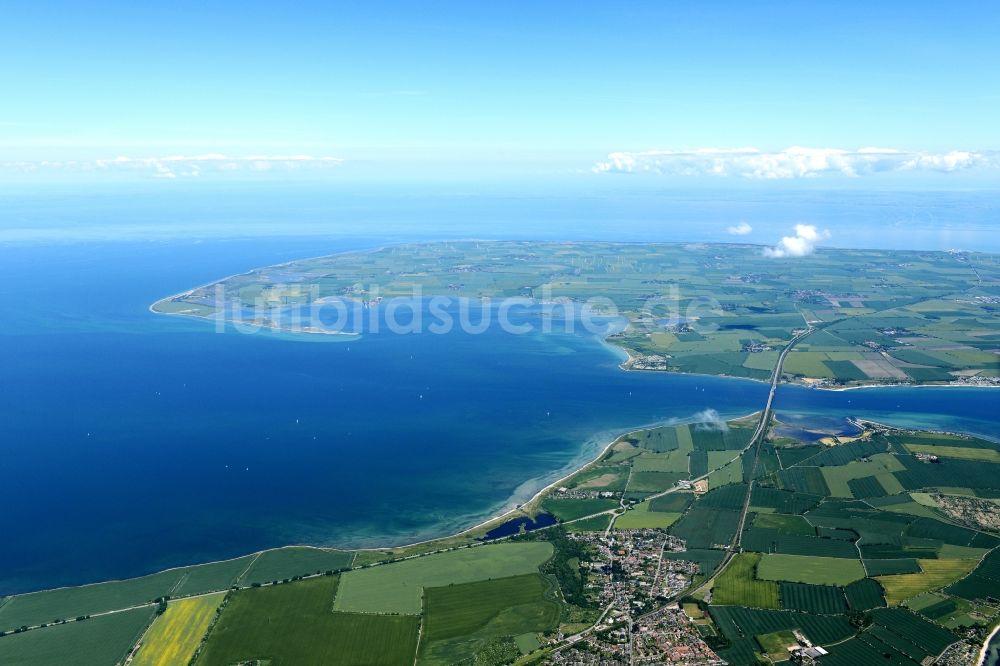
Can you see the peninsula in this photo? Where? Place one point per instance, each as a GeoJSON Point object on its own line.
{"type": "Point", "coordinates": [887, 317]}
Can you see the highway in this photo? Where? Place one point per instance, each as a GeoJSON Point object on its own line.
{"type": "Point", "coordinates": [755, 441]}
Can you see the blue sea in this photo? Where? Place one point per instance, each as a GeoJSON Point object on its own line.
{"type": "Point", "coordinates": [132, 442]}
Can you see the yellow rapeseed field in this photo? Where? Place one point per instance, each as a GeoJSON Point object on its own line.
{"type": "Point", "coordinates": [175, 635]}
{"type": "Point", "coordinates": [935, 574]}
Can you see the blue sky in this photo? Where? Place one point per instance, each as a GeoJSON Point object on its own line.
{"type": "Point", "coordinates": [503, 88]}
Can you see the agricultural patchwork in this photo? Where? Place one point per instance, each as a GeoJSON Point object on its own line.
{"type": "Point", "coordinates": [888, 317]}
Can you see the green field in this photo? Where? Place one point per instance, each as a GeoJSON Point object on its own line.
{"type": "Point", "coordinates": [738, 585]}
{"type": "Point", "coordinates": [595, 524]}
{"type": "Point", "coordinates": [808, 569]}
{"type": "Point", "coordinates": [284, 563]}
{"type": "Point", "coordinates": [672, 503]}
{"type": "Point", "coordinates": [719, 459]}
{"type": "Point", "coordinates": [673, 461]}
{"type": "Point", "coordinates": [960, 452]}
{"type": "Point", "coordinates": [398, 587]}
{"type": "Point", "coordinates": [640, 516]}
{"type": "Point", "coordinates": [864, 594]}
{"type": "Point", "coordinates": [654, 482]}
{"type": "Point", "coordinates": [706, 527]}
{"type": "Point", "coordinates": [776, 644]}
{"type": "Point", "coordinates": [812, 598]}
{"type": "Point", "coordinates": [294, 625]}
{"type": "Point", "coordinates": [459, 620]}
{"type": "Point", "coordinates": [787, 524]}
{"type": "Point", "coordinates": [730, 473]}
{"type": "Point", "coordinates": [99, 641]}
{"type": "Point", "coordinates": [601, 477]}
{"type": "Point", "coordinates": [69, 602]}
{"type": "Point", "coordinates": [573, 508]}
{"type": "Point", "coordinates": [735, 622]}
{"type": "Point", "coordinates": [837, 477]}
{"type": "Point", "coordinates": [808, 364]}
{"type": "Point", "coordinates": [918, 634]}
{"type": "Point", "coordinates": [805, 480]}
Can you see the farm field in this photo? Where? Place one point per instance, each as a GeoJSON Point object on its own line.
{"type": "Point", "coordinates": [808, 569]}
{"type": "Point", "coordinates": [64, 603]}
{"type": "Point", "coordinates": [99, 641]}
{"type": "Point", "coordinates": [786, 524]}
{"type": "Point", "coordinates": [294, 625]}
{"type": "Point", "coordinates": [706, 527]}
{"type": "Point", "coordinates": [872, 495]}
{"type": "Point", "coordinates": [838, 477]}
{"type": "Point", "coordinates": [960, 452]}
{"type": "Point", "coordinates": [398, 587]}
{"type": "Point", "coordinates": [601, 477]}
{"type": "Point", "coordinates": [571, 509]}
{"type": "Point", "coordinates": [595, 524]}
{"type": "Point", "coordinates": [642, 517]}
{"type": "Point", "coordinates": [735, 622]}
{"type": "Point", "coordinates": [738, 585]}
{"type": "Point", "coordinates": [864, 595]}
{"type": "Point", "coordinates": [175, 635]}
{"type": "Point", "coordinates": [776, 643]}
{"type": "Point", "coordinates": [730, 473]}
{"type": "Point", "coordinates": [672, 503]}
{"type": "Point", "coordinates": [283, 563]}
{"type": "Point", "coordinates": [824, 599]}
{"type": "Point", "coordinates": [935, 574]}
{"type": "Point", "coordinates": [459, 620]}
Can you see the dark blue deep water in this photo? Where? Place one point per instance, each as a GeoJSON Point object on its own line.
{"type": "Point", "coordinates": [515, 525]}
{"type": "Point", "coordinates": [131, 442]}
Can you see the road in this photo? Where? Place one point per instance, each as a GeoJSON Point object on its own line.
{"type": "Point", "coordinates": [755, 441]}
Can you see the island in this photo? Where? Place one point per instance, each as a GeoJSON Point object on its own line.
{"type": "Point", "coordinates": [740, 541]}
{"type": "Point", "coordinates": [887, 317]}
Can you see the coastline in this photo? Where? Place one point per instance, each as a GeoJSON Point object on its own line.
{"type": "Point", "coordinates": [524, 496]}
{"type": "Point", "coordinates": [629, 357]}
{"type": "Point", "coordinates": [530, 490]}
{"type": "Point", "coordinates": [875, 386]}
{"type": "Point", "coordinates": [888, 426]}
{"type": "Point", "coordinates": [984, 651]}
{"type": "Point", "coordinates": [263, 327]}
{"type": "Point", "coordinates": [519, 503]}
{"type": "Point", "coordinates": [507, 510]}
{"type": "Point", "coordinates": [626, 355]}
{"type": "Point", "coordinates": [623, 353]}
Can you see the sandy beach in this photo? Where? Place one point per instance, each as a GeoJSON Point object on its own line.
{"type": "Point", "coordinates": [983, 652]}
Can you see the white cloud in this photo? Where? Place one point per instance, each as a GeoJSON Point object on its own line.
{"type": "Point", "coordinates": [802, 243]}
{"type": "Point", "coordinates": [709, 419]}
{"type": "Point", "coordinates": [794, 162]}
{"type": "Point", "coordinates": [741, 229]}
{"type": "Point", "coordinates": [191, 166]}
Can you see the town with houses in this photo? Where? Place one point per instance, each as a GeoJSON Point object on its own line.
{"type": "Point", "coordinates": [637, 586]}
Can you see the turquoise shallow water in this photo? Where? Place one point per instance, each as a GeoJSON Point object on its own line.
{"type": "Point", "coordinates": [132, 442]}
